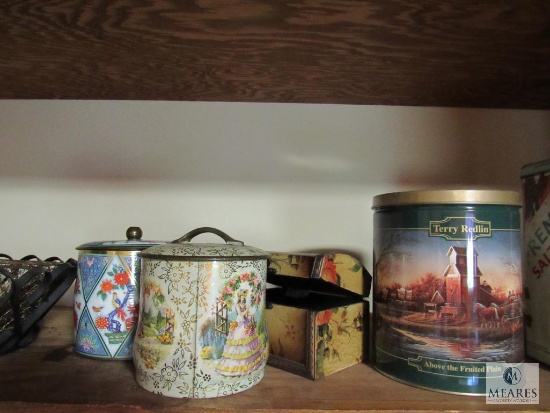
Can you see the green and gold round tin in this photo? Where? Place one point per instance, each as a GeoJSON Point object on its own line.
{"type": "Point", "coordinates": [447, 287]}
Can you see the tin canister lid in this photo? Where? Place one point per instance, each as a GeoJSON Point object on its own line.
{"type": "Point", "coordinates": [183, 249]}
{"type": "Point", "coordinates": [132, 243]}
{"type": "Point", "coordinates": [457, 197]}
{"type": "Point", "coordinates": [535, 168]}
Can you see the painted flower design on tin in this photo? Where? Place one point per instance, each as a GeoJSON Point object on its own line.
{"type": "Point", "coordinates": [115, 310]}
{"type": "Point", "coordinates": [86, 343]}
{"type": "Point", "coordinates": [117, 279]}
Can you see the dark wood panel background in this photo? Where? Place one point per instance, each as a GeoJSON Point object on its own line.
{"type": "Point", "coordinates": [490, 53]}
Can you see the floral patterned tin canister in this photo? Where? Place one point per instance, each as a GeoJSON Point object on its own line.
{"type": "Point", "coordinates": [447, 287]}
{"type": "Point", "coordinates": [201, 330]}
{"type": "Point", "coordinates": [106, 299]}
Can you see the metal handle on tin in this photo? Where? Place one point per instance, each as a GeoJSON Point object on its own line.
{"type": "Point", "coordinates": [203, 230]}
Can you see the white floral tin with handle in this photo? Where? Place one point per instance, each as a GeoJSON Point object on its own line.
{"type": "Point", "coordinates": [201, 330]}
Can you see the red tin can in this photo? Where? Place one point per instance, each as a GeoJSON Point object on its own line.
{"type": "Point", "coordinates": [536, 258]}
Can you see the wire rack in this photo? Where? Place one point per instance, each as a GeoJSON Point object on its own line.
{"type": "Point", "coordinates": [29, 287]}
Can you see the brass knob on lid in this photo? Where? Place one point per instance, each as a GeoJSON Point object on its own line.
{"type": "Point", "coordinates": [134, 233]}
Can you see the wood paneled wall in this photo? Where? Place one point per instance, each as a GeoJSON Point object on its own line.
{"type": "Point", "coordinates": [490, 53]}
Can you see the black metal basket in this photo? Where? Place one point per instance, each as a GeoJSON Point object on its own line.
{"type": "Point", "coordinates": [29, 287]}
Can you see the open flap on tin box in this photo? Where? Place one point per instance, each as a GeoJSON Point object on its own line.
{"type": "Point", "coordinates": [309, 294]}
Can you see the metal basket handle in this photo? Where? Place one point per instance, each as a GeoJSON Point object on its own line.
{"type": "Point", "coordinates": [203, 230]}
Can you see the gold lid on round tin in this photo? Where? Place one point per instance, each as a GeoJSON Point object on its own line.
{"type": "Point", "coordinates": [451, 196]}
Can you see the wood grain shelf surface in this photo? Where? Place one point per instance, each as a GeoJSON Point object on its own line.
{"type": "Point", "coordinates": [48, 376]}
{"type": "Point", "coordinates": [385, 52]}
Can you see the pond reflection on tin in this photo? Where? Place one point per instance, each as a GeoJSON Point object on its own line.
{"type": "Point", "coordinates": [412, 345]}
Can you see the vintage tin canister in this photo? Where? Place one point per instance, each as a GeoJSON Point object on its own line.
{"type": "Point", "coordinates": [536, 258]}
{"type": "Point", "coordinates": [447, 287]}
{"type": "Point", "coordinates": [201, 330]}
{"type": "Point", "coordinates": [106, 297]}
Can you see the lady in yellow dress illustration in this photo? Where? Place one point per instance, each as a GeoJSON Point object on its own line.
{"type": "Point", "coordinates": [243, 352]}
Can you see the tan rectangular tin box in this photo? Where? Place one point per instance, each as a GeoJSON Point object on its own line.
{"type": "Point", "coordinates": [317, 318]}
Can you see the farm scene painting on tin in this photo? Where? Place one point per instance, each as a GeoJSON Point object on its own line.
{"type": "Point", "coordinates": [458, 300]}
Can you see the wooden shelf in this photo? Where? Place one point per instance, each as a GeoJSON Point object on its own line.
{"type": "Point", "coordinates": [48, 376]}
{"type": "Point", "coordinates": [388, 52]}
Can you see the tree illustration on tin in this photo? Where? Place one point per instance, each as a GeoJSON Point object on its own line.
{"type": "Point", "coordinates": [390, 259]}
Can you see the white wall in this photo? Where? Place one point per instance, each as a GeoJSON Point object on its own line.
{"type": "Point", "coordinates": [277, 176]}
